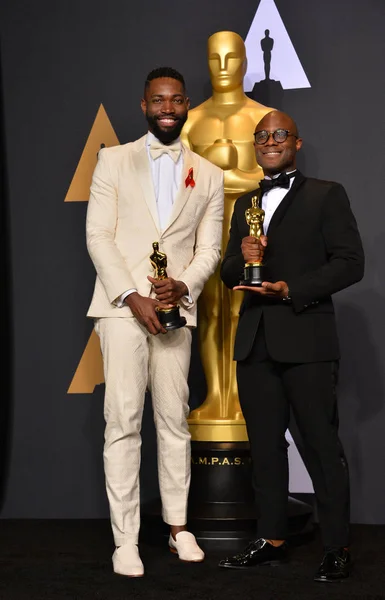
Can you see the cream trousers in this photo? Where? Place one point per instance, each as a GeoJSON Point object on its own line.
{"type": "Point", "coordinates": [134, 360]}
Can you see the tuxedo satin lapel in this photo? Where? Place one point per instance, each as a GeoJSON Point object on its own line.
{"type": "Point", "coordinates": [143, 173]}
{"type": "Point", "coordinates": [184, 192]}
{"type": "Point", "coordinates": [285, 203]}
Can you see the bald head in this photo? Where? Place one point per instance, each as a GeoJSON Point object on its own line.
{"type": "Point", "coordinates": [274, 116]}
{"type": "Point", "coordinates": [277, 156]}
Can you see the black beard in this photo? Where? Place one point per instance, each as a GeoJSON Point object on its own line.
{"type": "Point", "coordinates": [166, 137]}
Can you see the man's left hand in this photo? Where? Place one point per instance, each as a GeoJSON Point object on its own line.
{"type": "Point", "coordinates": [279, 289]}
{"type": "Point", "coordinates": [168, 290]}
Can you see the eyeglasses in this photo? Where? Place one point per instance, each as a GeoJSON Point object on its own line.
{"type": "Point", "coordinates": [279, 135]}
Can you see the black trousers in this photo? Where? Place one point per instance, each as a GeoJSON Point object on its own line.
{"type": "Point", "coordinates": [267, 391]}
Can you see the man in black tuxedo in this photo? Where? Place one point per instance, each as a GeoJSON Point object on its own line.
{"type": "Point", "coordinates": [286, 344]}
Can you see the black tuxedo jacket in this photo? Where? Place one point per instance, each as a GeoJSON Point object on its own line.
{"type": "Point", "coordinates": [314, 245]}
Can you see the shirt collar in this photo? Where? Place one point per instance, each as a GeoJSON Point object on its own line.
{"type": "Point", "coordinates": [278, 174]}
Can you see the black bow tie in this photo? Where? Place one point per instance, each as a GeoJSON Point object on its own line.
{"type": "Point", "coordinates": [282, 181]}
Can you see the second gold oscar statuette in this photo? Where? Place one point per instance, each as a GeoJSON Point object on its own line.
{"type": "Point", "coordinates": [169, 318]}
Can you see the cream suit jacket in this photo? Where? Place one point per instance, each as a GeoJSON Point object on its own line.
{"type": "Point", "coordinates": [122, 224]}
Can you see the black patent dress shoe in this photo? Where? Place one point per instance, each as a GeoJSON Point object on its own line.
{"type": "Point", "coordinates": [335, 565]}
{"type": "Point", "coordinates": [259, 552]}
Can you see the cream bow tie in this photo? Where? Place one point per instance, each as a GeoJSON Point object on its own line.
{"type": "Point", "coordinates": [157, 149]}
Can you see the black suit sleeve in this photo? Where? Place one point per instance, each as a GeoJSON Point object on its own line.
{"type": "Point", "coordinates": [233, 261]}
{"type": "Point", "coordinates": [345, 255]}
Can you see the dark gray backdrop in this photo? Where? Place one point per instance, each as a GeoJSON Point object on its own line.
{"type": "Point", "coordinates": [60, 60]}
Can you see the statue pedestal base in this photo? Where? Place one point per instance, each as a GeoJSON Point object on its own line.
{"type": "Point", "coordinates": [222, 513]}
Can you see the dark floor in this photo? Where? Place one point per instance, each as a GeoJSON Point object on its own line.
{"type": "Point", "coordinates": [57, 560]}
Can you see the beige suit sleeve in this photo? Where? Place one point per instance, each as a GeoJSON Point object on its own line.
{"type": "Point", "coordinates": [208, 240]}
{"type": "Point", "coordinates": [102, 214]}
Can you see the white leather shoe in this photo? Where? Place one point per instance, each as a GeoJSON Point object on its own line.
{"type": "Point", "coordinates": [126, 561]}
{"type": "Point", "coordinates": [186, 547]}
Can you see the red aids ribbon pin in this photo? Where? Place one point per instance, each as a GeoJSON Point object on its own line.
{"type": "Point", "coordinates": [190, 178]}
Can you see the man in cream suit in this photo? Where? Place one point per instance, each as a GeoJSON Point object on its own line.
{"type": "Point", "coordinates": [154, 189]}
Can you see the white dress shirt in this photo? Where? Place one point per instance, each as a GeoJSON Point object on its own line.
{"type": "Point", "coordinates": [166, 178]}
{"type": "Point", "coordinates": [272, 199]}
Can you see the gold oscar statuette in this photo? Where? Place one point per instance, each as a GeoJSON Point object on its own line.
{"type": "Point", "coordinates": [221, 130]}
{"type": "Point", "coordinates": [169, 318]}
{"type": "Point", "coordinates": [253, 271]}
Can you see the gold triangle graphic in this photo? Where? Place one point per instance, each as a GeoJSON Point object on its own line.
{"type": "Point", "coordinates": [89, 372]}
{"type": "Point", "coordinates": [101, 134]}
{"type": "Point", "coordinates": [90, 369]}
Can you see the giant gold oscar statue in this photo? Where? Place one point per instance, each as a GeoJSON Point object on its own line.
{"type": "Point", "coordinates": [221, 130]}
{"type": "Point", "coordinates": [221, 503]}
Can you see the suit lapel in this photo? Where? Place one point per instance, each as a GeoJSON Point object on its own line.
{"type": "Point", "coordinates": [143, 172]}
{"type": "Point", "coordinates": [190, 161]}
{"type": "Point", "coordinates": [285, 203]}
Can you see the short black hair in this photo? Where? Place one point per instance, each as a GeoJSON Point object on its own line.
{"type": "Point", "coordinates": [164, 72]}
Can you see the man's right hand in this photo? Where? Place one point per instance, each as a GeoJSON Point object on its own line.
{"type": "Point", "coordinates": [144, 311]}
{"type": "Point", "coordinates": [253, 248]}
